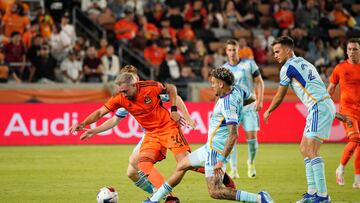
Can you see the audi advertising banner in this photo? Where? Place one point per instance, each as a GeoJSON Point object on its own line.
{"type": "Point", "coordinates": [48, 124]}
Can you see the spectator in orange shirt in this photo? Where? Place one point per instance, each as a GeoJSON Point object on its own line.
{"type": "Point", "coordinates": [340, 16]}
{"type": "Point", "coordinates": [126, 29]}
{"type": "Point", "coordinates": [15, 21]}
{"type": "Point", "coordinates": [186, 33]}
{"type": "Point", "coordinates": [285, 18]}
{"type": "Point", "coordinates": [46, 26]}
{"type": "Point", "coordinates": [245, 52]}
{"type": "Point", "coordinates": [347, 74]}
{"type": "Point", "coordinates": [196, 14]}
{"type": "Point", "coordinates": [154, 54]}
{"type": "Point", "coordinates": [167, 31]}
{"type": "Point", "coordinates": [148, 31]}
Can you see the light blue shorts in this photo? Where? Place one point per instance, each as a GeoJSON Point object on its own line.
{"type": "Point", "coordinates": [250, 120]}
{"type": "Point", "coordinates": [320, 119]}
{"type": "Point", "coordinates": [206, 157]}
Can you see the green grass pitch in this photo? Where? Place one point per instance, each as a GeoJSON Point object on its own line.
{"type": "Point", "coordinates": [75, 173]}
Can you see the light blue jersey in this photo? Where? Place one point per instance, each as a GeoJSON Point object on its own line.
{"type": "Point", "coordinates": [227, 111]}
{"type": "Point", "coordinates": [304, 79]}
{"type": "Point", "coordinates": [244, 73]}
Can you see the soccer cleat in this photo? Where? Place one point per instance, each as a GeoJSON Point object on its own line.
{"type": "Point", "coordinates": [234, 174]}
{"type": "Point", "coordinates": [319, 199]}
{"type": "Point", "coordinates": [171, 199]}
{"type": "Point", "coordinates": [265, 197]}
{"type": "Point", "coordinates": [307, 198]}
{"type": "Point", "coordinates": [356, 185]}
{"type": "Point", "coordinates": [149, 201]}
{"type": "Point", "coordinates": [251, 170]}
{"type": "Point", "coordinates": [340, 177]}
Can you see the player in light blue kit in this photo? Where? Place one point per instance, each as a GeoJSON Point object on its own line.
{"type": "Point", "coordinates": [308, 86]}
{"type": "Point", "coordinates": [222, 135]}
{"type": "Point", "coordinates": [246, 74]}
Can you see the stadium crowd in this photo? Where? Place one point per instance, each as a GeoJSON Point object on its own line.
{"type": "Point", "coordinates": [182, 39]}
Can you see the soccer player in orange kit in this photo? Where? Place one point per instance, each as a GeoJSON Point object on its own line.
{"type": "Point", "coordinates": [347, 74]}
{"type": "Point", "coordinates": [141, 99]}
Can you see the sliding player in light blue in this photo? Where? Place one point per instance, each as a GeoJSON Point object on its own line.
{"type": "Point", "coordinates": [246, 74]}
{"type": "Point", "coordinates": [305, 81]}
{"type": "Point", "coordinates": [222, 135]}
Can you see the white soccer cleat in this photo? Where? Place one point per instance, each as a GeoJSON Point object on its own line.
{"type": "Point", "coordinates": [251, 169]}
{"type": "Point", "coordinates": [356, 185]}
{"type": "Point", "coordinates": [234, 174]}
{"type": "Point", "coordinates": [340, 177]}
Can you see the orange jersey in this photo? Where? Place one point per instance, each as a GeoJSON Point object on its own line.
{"type": "Point", "coordinates": [348, 76]}
{"type": "Point", "coordinates": [146, 107]}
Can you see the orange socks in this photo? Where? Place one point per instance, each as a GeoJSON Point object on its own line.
{"type": "Point", "coordinates": [348, 151]}
{"type": "Point", "coordinates": [153, 174]}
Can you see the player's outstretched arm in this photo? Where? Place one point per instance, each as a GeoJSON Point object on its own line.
{"type": "Point", "coordinates": [276, 101]}
{"type": "Point", "coordinates": [172, 92]}
{"type": "Point", "coordinates": [108, 124]}
{"type": "Point", "coordinates": [180, 103]}
{"type": "Point", "coordinates": [93, 117]}
{"type": "Point", "coordinates": [344, 118]}
{"type": "Point", "coordinates": [259, 91]}
{"type": "Point", "coordinates": [331, 88]}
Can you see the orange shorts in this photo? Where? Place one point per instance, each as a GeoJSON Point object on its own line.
{"type": "Point", "coordinates": [352, 131]}
{"type": "Point", "coordinates": [172, 139]}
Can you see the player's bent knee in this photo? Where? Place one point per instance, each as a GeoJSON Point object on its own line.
{"type": "Point", "coordinates": [132, 173]}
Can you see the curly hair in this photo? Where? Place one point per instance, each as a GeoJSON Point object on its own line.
{"type": "Point", "coordinates": [223, 74]}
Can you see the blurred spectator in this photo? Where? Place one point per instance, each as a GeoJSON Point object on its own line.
{"type": "Point", "coordinates": [6, 72]}
{"type": "Point", "coordinates": [200, 48]}
{"type": "Point", "coordinates": [93, 8]}
{"type": "Point", "coordinates": [335, 51]}
{"type": "Point", "coordinates": [67, 28]}
{"type": "Point", "coordinates": [60, 43]}
{"type": "Point", "coordinates": [284, 17]}
{"type": "Point", "coordinates": [57, 8]}
{"type": "Point", "coordinates": [126, 29]}
{"type": "Point", "coordinates": [117, 8]}
{"type": "Point", "coordinates": [15, 53]}
{"type": "Point", "coordinates": [308, 16]}
{"type": "Point", "coordinates": [156, 14]}
{"type": "Point", "coordinates": [245, 52]}
{"type": "Point", "coordinates": [194, 61]}
{"type": "Point", "coordinates": [260, 53]}
{"type": "Point", "coordinates": [232, 18]}
{"type": "Point", "coordinates": [219, 57]}
{"type": "Point", "coordinates": [15, 20]}
{"type": "Point", "coordinates": [111, 64]}
{"type": "Point", "coordinates": [80, 47]}
{"type": "Point", "coordinates": [47, 26]}
{"type": "Point", "coordinates": [169, 68]}
{"type": "Point", "coordinates": [147, 31]}
{"type": "Point", "coordinates": [30, 34]}
{"type": "Point", "coordinates": [175, 17]}
{"type": "Point", "coordinates": [186, 33]}
{"type": "Point", "coordinates": [301, 41]}
{"type": "Point", "coordinates": [106, 19]}
{"type": "Point", "coordinates": [71, 68]}
{"type": "Point", "coordinates": [92, 67]}
{"type": "Point", "coordinates": [196, 14]}
{"type": "Point", "coordinates": [154, 54]}
{"type": "Point", "coordinates": [33, 54]}
{"type": "Point", "coordinates": [45, 66]}
{"type": "Point", "coordinates": [268, 39]}
{"type": "Point", "coordinates": [340, 17]}
{"type": "Point", "coordinates": [317, 54]}
{"type": "Point", "coordinates": [103, 47]}
{"type": "Point", "coordinates": [167, 32]}
{"type": "Point", "coordinates": [249, 12]}
{"type": "Point", "coordinates": [187, 75]}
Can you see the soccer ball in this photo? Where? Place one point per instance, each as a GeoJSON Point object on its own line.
{"type": "Point", "coordinates": [107, 195]}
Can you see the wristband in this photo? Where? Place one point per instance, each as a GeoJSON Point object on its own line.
{"type": "Point", "coordinates": [173, 108]}
{"type": "Point", "coordinates": [222, 158]}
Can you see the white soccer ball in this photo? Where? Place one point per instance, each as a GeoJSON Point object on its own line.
{"type": "Point", "coordinates": [107, 195]}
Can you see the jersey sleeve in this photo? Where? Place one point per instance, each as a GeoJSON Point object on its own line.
{"type": "Point", "coordinates": [254, 68]}
{"type": "Point", "coordinates": [159, 88]}
{"type": "Point", "coordinates": [121, 113]}
{"type": "Point", "coordinates": [164, 97]}
{"type": "Point", "coordinates": [284, 78]}
{"type": "Point", "coordinates": [334, 78]}
{"type": "Point", "coordinates": [229, 110]}
{"type": "Point", "coordinates": [113, 103]}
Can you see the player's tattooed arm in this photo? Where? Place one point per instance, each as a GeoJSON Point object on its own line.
{"type": "Point", "coordinates": [230, 141]}
{"type": "Point", "coordinates": [344, 118]}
